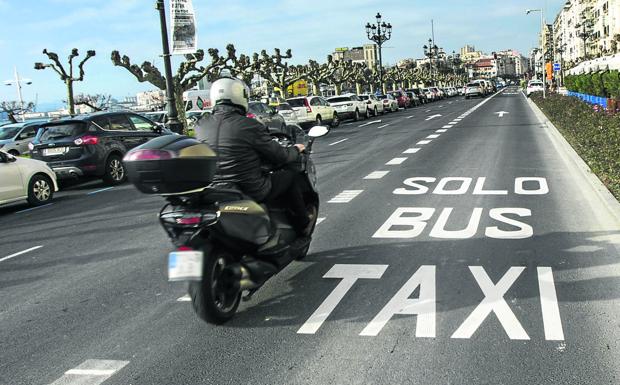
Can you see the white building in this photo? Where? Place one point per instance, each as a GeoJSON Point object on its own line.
{"type": "Point", "coordinates": [149, 100]}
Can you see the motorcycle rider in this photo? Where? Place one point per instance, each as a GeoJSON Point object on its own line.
{"type": "Point", "coordinates": [243, 144]}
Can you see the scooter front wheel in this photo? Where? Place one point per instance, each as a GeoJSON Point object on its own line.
{"type": "Point", "coordinates": [216, 297]}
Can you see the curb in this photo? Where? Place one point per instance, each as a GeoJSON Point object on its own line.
{"type": "Point", "coordinates": [605, 196]}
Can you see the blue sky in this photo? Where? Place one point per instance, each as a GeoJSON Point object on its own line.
{"type": "Point", "coordinates": [312, 29]}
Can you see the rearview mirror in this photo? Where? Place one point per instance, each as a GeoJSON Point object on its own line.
{"type": "Point", "coordinates": [318, 131]}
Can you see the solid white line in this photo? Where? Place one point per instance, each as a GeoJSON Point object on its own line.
{"type": "Point", "coordinates": [345, 197]}
{"type": "Point", "coordinates": [366, 124]}
{"type": "Point", "coordinates": [411, 151]}
{"type": "Point", "coordinates": [434, 136]}
{"type": "Point", "coordinates": [185, 298]}
{"type": "Point", "coordinates": [376, 175]}
{"type": "Point", "coordinates": [100, 190]}
{"type": "Point", "coordinates": [33, 208]}
{"type": "Point", "coordinates": [20, 253]}
{"type": "Point", "coordinates": [448, 126]}
{"type": "Point", "coordinates": [385, 125]}
{"type": "Point", "coordinates": [340, 141]}
{"type": "Point", "coordinates": [90, 372]}
{"type": "Point", "coordinates": [396, 161]}
{"type": "Point", "coordinates": [442, 130]}
{"type": "Point", "coordinates": [549, 305]}
{"type": "Point", "coordinates": [319, 220]}
{"type": "Point", "coordinates": [424, 142]}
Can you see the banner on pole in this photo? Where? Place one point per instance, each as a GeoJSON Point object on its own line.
{"type": "Point", "coordinates": [183, 27]}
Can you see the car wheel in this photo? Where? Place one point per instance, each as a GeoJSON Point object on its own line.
{"type": "Point", "coordinates": [14, 152]}
{"type": "Point", "coordinates": [40, 190]}
{"type": "Point", "coordinates": [376, 112]}
{"type": "Point", "coordinates": [319, 121]}
{"type": "Point", "coordinates": [114, 170]}
{"type": "Point", "coordinates": [335, 120]}
{"type": "Point", "coordinates": [357, 115]}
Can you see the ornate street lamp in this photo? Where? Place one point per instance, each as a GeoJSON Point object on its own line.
{"type": "Point", "coordinates": [431, 51]}
{"type": "Point", "coordinates": [379, 33]}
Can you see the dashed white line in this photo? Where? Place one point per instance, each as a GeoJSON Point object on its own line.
{"type": "Point", "coordinates": [424, 142]}
{"type": "Point", "coordinates": [447, 126]}
{"type": "Point", "coordinates": [340, 141]}
{"type": "Point", "coordinates": [90, 372]}
{"type": "Point", "coordinates": [442, 130]}
{"type": "Point", "coordinates": [385, 125]}
{"type": "Point", "coordinates": [409, 117]}
{"type": "Point", "coordinates": [396, 161]}
{"type": "Point", "coordinates": [185, 298]}
{"type": "Point", "coordinates": [20, 253]}
{"type": "Point", "coordinates": [100, 190]}
{"type": "Point", "coordinates": [366, 124]}
{"type": "Point", "coordinates": [433, 136]}
{"type": "Point", "coordinates": [376, 175]}
{"type": "Point", "coordinates": [411, 151]}
{"type": "Point", "coordinates": [346, 196]}
{"type": "Point", "coordinates": [428, 111]}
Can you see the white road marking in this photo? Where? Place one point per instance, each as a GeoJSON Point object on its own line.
{"type": "Point", "coordinates": [423, 142]}
{"type": "Point", "coordinates": [458, 119]}
{"type": "Point", "coordinates": [20, 253]}
{"type": "Point", "coordinates": [90, 372]}
{"type": "Point", "coordinates": [385, 125]}
{"type": "Point", "coordinates": [33, 208]}
{"type": "Point", "coordinates": [453, 122]}
{"type": "Point", "coordinates": [434, 116]}
{"type": "Point", "coordinates": [396, 161]}
{"type": "Point", "coordinates": [442, 130]}
{"type": "Point", "coordinates": [448, 126]}
{"type": "Point", "coordinates": [549, 304]}
{"type": "Point", "coordinates": [100, 190]}
{"type": "Point", "coordinates": [409, 117]}
{"type": "Point", "coordinates": [502, 113]}
{"type": "Point", "coordinates": [493, 302]}
{"type": "Point", "coordinates": [319, 220]}
{"type": "Point", "coordinates": [340, 141]}
{"type": "Point", "coordinates": [185, 298]}
{"type": "Point", "coordinates": [376, 175]}
{"type": "Point", "coordinates": [433, 136]}
{"type": "Point", "coordinates": [441, 106]}
{"type": "Point", "coordinates": [449, 102]}
{"type": "Point", "coordinates": [345, 197]}
{"type": "Point", "coordinates": [349, 275]}
{"type": "Point", "coordinates": [366, 124]}
{"type": "Point", "coordinates": [411, 151]}
{"type": "Point", "coordinates": [427, 111]}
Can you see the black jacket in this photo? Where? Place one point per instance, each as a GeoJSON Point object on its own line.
{"type": "Point", "coordinates": [242, 145]}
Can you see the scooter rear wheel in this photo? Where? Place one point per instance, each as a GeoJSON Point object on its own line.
{"type": "Point", "coordinates": [216, 297]}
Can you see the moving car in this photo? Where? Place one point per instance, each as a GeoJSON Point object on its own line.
{"type": "Point", "coordinates": [267, 115]}
{"type": "Point", "coordinates": [390, 104]}
{"type": "Point", "coordinates": [29, 179]}
{"type": "Point", "coordinates": [534, 86]}
{"type": "Point", "coordinates": [473, 90]}
{"type": "Point", "coordinates": [314, 110]}
{"type": "Point", "coordinates": [373, 104]}
{"type": "Point", "coordinates": [92, 145]}
{"type": "Point", "coordinates": [349, 107]}
{"type": "Point", "coordinates": [286, 111]}
{"type": "Point", "coordinates": [14, 138]}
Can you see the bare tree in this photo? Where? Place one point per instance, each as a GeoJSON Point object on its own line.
{"type": "Point", "coordinates": [276, 71]}
{"type": "Point", "coordinates": [15, 108]}
{"type": "Point", "coordinates": [345, 72]}
{"type": "Point", "coordinates": [97, 102]}
{"type": "Point", "coordinates": [66, 76]}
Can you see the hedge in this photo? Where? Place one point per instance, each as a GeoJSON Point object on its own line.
{"type": "Point", "coordinates": [603, 84]}
{"type": "Point", "coordinates": [593, 134]}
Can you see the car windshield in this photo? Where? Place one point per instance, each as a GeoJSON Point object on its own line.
{"type": "Point", "coordinates": [339, 99]}
{"type": "Point", "coordinates": [283, 107]}
{"type": "Point", "coordinates": [62, 131]}
{"type": "Point", "coordinates": [9, 132]}
{"type": "Point", "coordinates": [296, 102]}
{"type": "Point", "coordinates": [363, 97]}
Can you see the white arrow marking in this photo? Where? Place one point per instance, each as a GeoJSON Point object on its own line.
{"type": "Point", "coordinates": [502, 113]}
{"type": "Point", "coordinates": [433, 117]}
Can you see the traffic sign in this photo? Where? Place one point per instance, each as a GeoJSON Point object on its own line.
{"type": "Point", "coordinates": [556, 66]}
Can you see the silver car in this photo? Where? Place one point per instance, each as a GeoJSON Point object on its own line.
{"type": "Point", "coordinates": [14, 138]}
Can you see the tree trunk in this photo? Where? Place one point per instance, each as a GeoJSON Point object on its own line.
{"type": "Point", "coordinates": [316, 88]}
{"type": "Point", "coordinates": [178, 100]}
{"type": "Point", "coordinates": [70, 101]}
{"type": "Point", "coordinates": [358, 88]}
{"type": "Point", "coordinates": [338, 88]}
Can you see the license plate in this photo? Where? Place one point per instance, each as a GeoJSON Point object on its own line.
{"type": "Point", "coordinates": [185, 265]}
{"type": "Point", "coordinates": [54, 151]}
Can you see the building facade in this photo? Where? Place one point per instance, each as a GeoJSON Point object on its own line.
{"type": "Point", "coordinates": [367, 54]}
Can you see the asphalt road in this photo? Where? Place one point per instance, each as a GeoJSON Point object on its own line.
{"type": "Point", "coordinates": [465, 248]}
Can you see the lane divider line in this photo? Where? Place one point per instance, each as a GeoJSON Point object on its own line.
{"type": "Point", "coordinates": [442, 130]}
{"type": "Point", "coordinates": [33, 208]}
{"type": "Point", "coordinates": [91, 372]}
{"type": "Point", "coordinates": [100, 190]}
{"type": "Point", "coordinates": [185, 298]}
{"type": "Point", "coordinates": [20, 253]}
{"type": "Point", "coordinates": [396, 161]}
{"type": "Point", "coordinates": [385, 125]}
{"type": "Point", "coordinates": [369, 123]}
{"type": "Point", "coordinates": [376, 175]}
{"type": "Point", "coordinates": [447, 126]}
{"type": "Point", "coordinates": [433, 136]}
{"type": "Point", "coordinates": [345, 197]}
{"type": "Point", "coordinates": [424, 142]}
{"type": "Point", "coordinates": [411, 151]}
{"type": "Point", "coordinates": [409, 117]}
{"type": "Point", "coordinates": [340, 141]}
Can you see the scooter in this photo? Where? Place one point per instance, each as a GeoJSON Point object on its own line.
{"type": "Point", "coordinates": [228, 245]}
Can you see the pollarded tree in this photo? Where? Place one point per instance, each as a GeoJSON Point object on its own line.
{"type": "Point", "coordinates": [15, 108]}
{"type": "Point", "coordinates": [344, 72]}
{"type": "Point", "coordinates": [66, 75]}
{"type": "Point", "coordinates": [319, 73]}
{"type": "Point", "coordinates": [187, 77]}
{"type": "Point", "coordinates": [276, 71]}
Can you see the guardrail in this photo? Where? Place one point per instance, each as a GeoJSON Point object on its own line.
{"type": "Point", "coordinates": [590, 99]}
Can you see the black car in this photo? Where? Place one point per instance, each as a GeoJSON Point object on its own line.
{"type": "Point", "coordinates": [268, 116]}
{"type": "Point", "coordinates": [92, 145]}
{"type": "Point", "coordinates": [421, 96]}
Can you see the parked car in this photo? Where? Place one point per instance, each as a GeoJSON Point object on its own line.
{"type": "Point", "coordinates": [14, 138]}
{"type": "Point", "coordinates": [413, 99]}
{"type": "Point", "coordinates": [420, 95]}
{"type": "Point", "coordinates": [156, 116]}
{"type": "Point", "coordinates": [473, 90]}
{"type": "Point", "coordinates": [267, 115]}
{"type": "Point", "coordinates": [440, 94]}
{"type": "Point", "coordinates": [401, 98]}
{"type": "Point", "coordinates": [390, 104]}
{"type": "Point", "coordinates": [314, 110]}
{"type": "Point", "coordinates": [430, 95]}
{"type": "Point", "coordinates": [92, 145]}
{"type": "Point", "coordinates": [286, 111]}
{"type": "Point", "coordinates": [23, 178]}
{"type": "Point", "coordinates": [349, 107]}
{"type": "Point", "coordinates": [373, 104]}
{"type": "Point", "coordinates": [534, 86]}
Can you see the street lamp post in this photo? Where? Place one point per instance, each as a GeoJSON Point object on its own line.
{"type": "Point", "coordinates": [542, 43]}
{"type": "Point", "coordinates": [17, 81]}
{"type": "Point", "coordinates": [431, 51]}
{"type": "Point", "coordinates": [173, 114]}
{"type": "Point", "coordinates": [561, 49]}
{"type": "Point", "coordinates": [379, 33]}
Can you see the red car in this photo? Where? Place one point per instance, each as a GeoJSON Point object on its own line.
{"type": "Point", "coordinates": [402, 99]}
